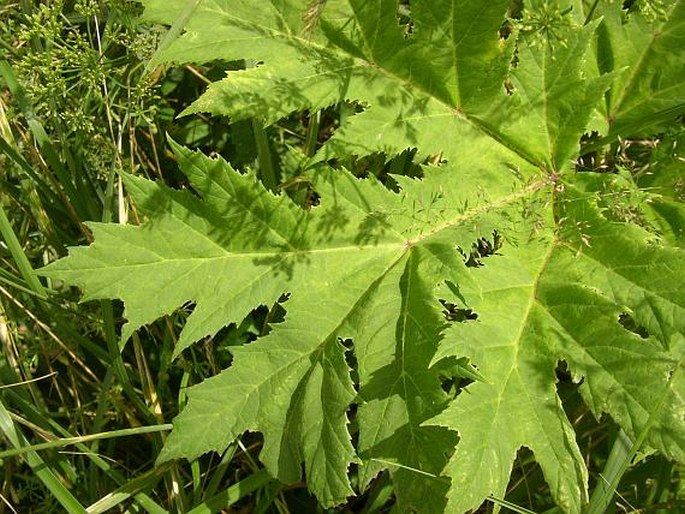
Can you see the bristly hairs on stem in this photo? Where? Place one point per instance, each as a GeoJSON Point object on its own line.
{"type": "Point", "coordinates": [310, 17]}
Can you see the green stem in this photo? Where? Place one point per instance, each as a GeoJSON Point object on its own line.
{"type": "Point", "coordinates": [267, 171]}
{"type": "Point", "coordinates": [312, 134]}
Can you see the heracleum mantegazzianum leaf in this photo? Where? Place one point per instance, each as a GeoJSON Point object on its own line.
{"type": "Point", "coordinates": [370, 266]}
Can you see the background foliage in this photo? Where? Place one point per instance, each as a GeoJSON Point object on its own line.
{"type": "Point", "coordinates": [81, 107]}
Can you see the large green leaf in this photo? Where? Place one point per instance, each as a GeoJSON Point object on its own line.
{"type": "Point", "coordinates": [565, 301]}
{"type": "Point", "coordinates": [366, 269]}
{"type": "Point", "coordinates": [649, 49]}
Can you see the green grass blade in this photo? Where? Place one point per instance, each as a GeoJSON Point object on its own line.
{"type": "Point", "coordinates": [146, 481]}
{"type": "Point", "coordinates": [59, 443]}
{"type": "Point", "coordinates": [621, 453]}
{"type": "Point", "coordinates": [49, 152]}
{"type": "Point", "coordinates": [234, 493]}
{"type": "Point", "coordinates": [23, 164]}
{"type": "Point", "coordinates": [18, 255]}
{"type": "Point", "coordinates": [173, 33]}
{"type": "Point", "coordinates": [145, 501]}
{"type": "Point", "coordinates": [508, 505]}
{"type": "Point", "coordinates": [42, 471]}
{"type": "Point", "coordinates": [620, 458]}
